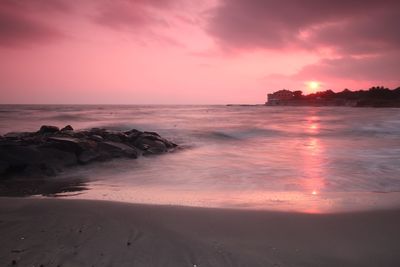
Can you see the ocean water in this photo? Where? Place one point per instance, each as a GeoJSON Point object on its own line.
{"type": "Point", "coordinates": [307, 159]}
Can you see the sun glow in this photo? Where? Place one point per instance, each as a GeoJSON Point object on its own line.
{"type": "Point", "coordinates": [313, 85]}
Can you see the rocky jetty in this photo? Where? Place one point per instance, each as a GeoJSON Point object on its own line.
{"type": "Point", "coordinates": [50, 150]}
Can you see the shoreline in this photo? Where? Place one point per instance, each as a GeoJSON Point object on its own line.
{"type": "Point", "coordinates": [59, 232]}
{"type": "Point", "coordinates": [308, 105]}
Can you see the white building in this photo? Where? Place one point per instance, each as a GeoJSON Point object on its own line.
{"type": "Point", "coordinates": [276, 98]}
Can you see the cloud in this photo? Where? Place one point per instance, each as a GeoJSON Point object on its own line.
{"type": "Point", "coordinates": [376, 32]}
{"type": "Point", "coordinates": [307, 24]}
{"type": "Point", "coordinates": [25, 23]}
{"type": "Point", "coordinates": [369, 68]}
{"type": "Point", "coordinates": [19, 28]}
{"type": "Point", "coordinates": [131, 14]}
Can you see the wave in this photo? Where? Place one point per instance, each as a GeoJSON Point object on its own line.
{"type": "Point", "coordinates": [237, 134]}
{"type": "Point", "coordinates": [70, 117]}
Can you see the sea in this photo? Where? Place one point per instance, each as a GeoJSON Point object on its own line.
{"type": "Point", "coordinates": [303, 159]}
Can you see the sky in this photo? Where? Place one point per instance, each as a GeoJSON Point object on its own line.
{"type": "Point", "coordinates": [193, 52]}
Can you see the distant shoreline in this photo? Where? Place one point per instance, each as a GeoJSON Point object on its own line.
{"type": "Point", "coordinates": [377, 97]}
{"type": "Point", "coordinates": [307, 105]}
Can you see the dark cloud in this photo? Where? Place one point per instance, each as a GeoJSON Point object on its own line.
{"type": "Point", "coordinates": [276, 24]}
{"type": "Point", "coordinates": [23, 23]}
{"type": "Point", "coordinates": [29, 22]}
{"type": "Point", "coordinates": [375, 32]}
{"type": "Point", "coordinates": [369, 68]}
{"type": "Point", "coordinates": [131, 13]}
{"type": "Point", "coordinates": [19, 30]}
{"type": "Point", "coordinates": [37, 5]}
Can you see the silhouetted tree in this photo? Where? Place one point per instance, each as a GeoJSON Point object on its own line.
{"type": "Point", "coordinates": [298, 94]}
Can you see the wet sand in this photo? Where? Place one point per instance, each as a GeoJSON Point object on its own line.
{"type": "Point", "coordinates": [56, 232]}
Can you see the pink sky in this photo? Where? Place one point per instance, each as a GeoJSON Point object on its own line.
{"type": "Point", "coordinates": [192, 52]}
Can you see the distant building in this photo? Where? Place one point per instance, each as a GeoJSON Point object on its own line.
{"type": "Point", "coordinates": [280, 96]}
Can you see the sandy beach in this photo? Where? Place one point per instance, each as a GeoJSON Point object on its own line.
{"type": "Point", "coordinates": [56, 232]}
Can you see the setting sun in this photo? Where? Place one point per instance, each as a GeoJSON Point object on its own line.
{"type": "Point", "coordinates": [313, 85]}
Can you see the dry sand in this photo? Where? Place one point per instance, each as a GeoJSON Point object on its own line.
{"type": "Point", "coordinates": [54, 232]}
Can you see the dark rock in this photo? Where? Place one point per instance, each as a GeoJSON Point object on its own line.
{"type": "Point", "coordinates": [132, 135]}
{"type": "Point", "coordinates": [17, 135]}
{"type": "Point", "coordinates": [114, 149]}
{"type": "Point", "coordinates": [67, 128]}
{"type": "Point", "coordinates": [97, 138]}
{"type": "Point", "coordinates": [151, 146]}
{"type": "Point", "coordinates": [49, 151]}
{"type": "Point", "coordinates": [170, 144]}
{"type": "Point", "coordinates": [97, 131]}
{"type": "Point", "coordinates": [69, 144]}
{"type": "Point", "coordinates": [34, 159]}
{"type": "Point", "coordinates": [89, 156]}
{"type": "Point", "coordinates": [17, 154]}
{"type": "Point", "coordinates": [133, 131]}
{"type": "Point", "coordinates": [81, 134]}
{"type": "Point", "coordinates": [152, 133]}
{"type": "Point", "coordinates": [65, 134]}
{"type": "Point", "coordinates": [114, 137]}
{"type": "Point", "coordinates": [41, 170]}
{"type": "Point", "coordinates": [48, 129]}
{"type": "Point", "coordinates": [17, 158]}
{"type": "Point", "coordinates": [4, 167]}
{"type": "Point", "coordinates": [153, 143]}
{"type": "Point", "coordinates": [56, 158]}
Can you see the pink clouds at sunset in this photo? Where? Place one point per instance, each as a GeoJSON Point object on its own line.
{"type": "Point", "coordinates": [192, 52]}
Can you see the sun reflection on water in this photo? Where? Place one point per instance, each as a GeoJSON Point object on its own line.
{"type": "Point", "coordinates": [312, 156]}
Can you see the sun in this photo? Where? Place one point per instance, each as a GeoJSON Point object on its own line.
{"type": "Point", "coordinates": [313, 85]}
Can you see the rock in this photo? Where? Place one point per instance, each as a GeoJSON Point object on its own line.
{"type": "Point", "coordinates": [48, 129]}
{"type": "Point", "coordinates": [3, 167]}
{"type": "Point", "coordinates": [97, 138]}
{"type": "Point", "coordinates": [89, 156]}
{"type": "Point", "coordinates": [34, 160]}
{"type": "Point", "coordinates": [170, 144]}
{"type": "Point", "coordinates": [56, 158]}
{"type": "Point", "coordinates": [97, 131]}
{"type": "Point", "coordinates": [132, 135]}
{"type": "Point", "coordinates": [69, 144]}
{"type": "Point", "coordinates": [114, 149]}
{"type": "Point", "coordinates": [152, 133]}
{"type": "Point", "coordinates": [17, 157]}
{"type": "Point", "coordinates": [49, 151]}
{"type": "Point", "coordinates": [65, 134]}
{"type": "Point", "coordinates": [17, 135]}
{"type": "Point", "coordinates": [41, 170]}
{"type": "Point", "coordinates": [112, 137]}
{"type": "Point", "coordinates": [153, 143]}
{"type": "Point", "coordinates": [151, 146]}
{"type": "Point", "coordinates": [81, 134]}
{"type": "Point", "coordinates": [67, 128]}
